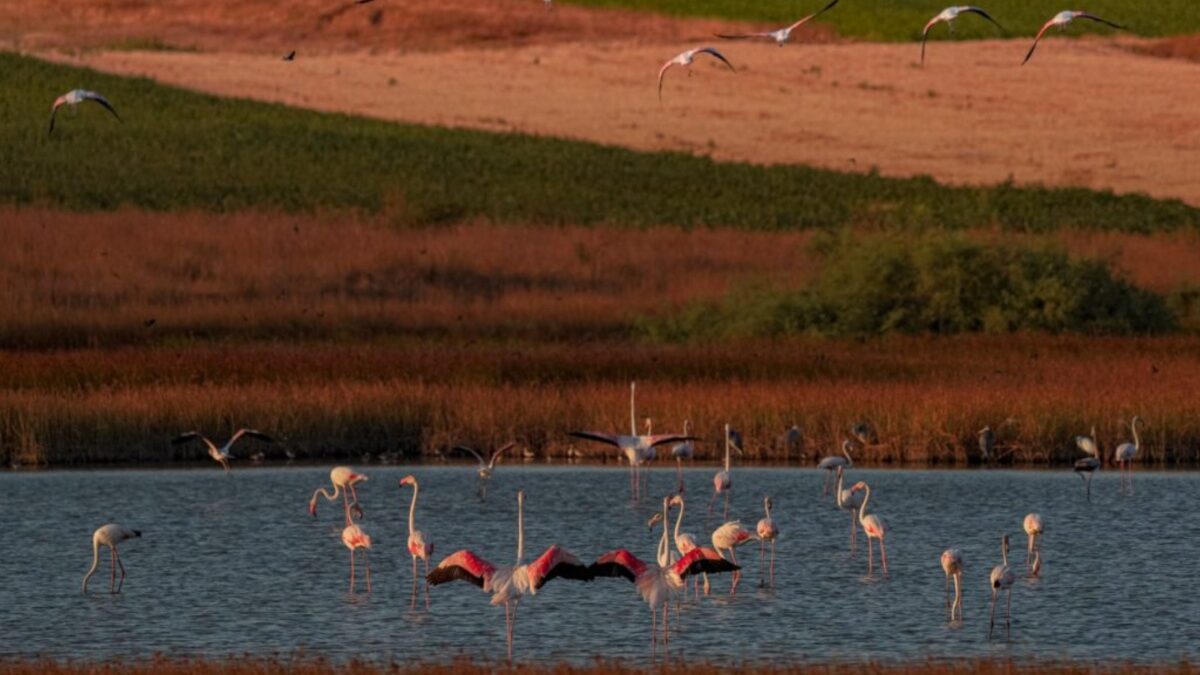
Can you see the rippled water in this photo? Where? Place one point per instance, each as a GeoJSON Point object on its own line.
{"type": "Point", "coordinates": [233, 565]}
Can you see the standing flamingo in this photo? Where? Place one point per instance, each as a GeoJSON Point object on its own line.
{"type": "Point", "coordinates": [1033, 554]}
{"type": "Point", "coordinates": [767, 531]}
{"type": "Point", "coordinates": [832, 462]}
{"type": "Point", "coordinates": [1088, 466]}
{"type": "Point", "coordinates": [344, 480]}
{"type": "Point", "coordinates": [948, 16]}
{"type": "Point", "coordinates": [849, 500]}
{"type": "Point", "coordinates": [1125, 453]}
{"type": "Point", "coordinates": [636, 448]}
{"type": "Point", "coordinates": [1061, 20]}
{"type": "Point", "coordinates": [508, 584]}
{"type": "Point", "coordinates": [952, 565]}
{"type": "Point", "coordinates": [873, 526]}
{"type": "Point", "coordinates": [685, 543]}
{"type": "Point", "coordinates": [110, 535]}
{"type": "Point", "coordinates": [681, 451]}
{"type": "Point", "coordinates": [221, 454]}
{"type": "Point", "coordinates": [723, 480]}
{"type": "Point", "coordinates": [354, 537]}
{"type": "Point", "coordinates": [417, 546]}
{"type": "Point", "coordinates": [1002, 579]}
{"type": "Point", "coordinates": [728, 537]}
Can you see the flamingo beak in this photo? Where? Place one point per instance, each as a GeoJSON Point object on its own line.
{"type": "Point", "coordinates": [312, 508]}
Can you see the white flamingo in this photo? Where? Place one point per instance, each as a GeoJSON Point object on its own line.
{"type": "Point", "coordinates": [767, 531]}
{"type": "Point", "coordinates": [344, 479]}
{"type": "Point", "coordinates": [1088, 466]}
{"type": "Point", "coordinates": [952, 565]}
{"type": "Point", "coordinates": [110, 535]}
{"type": "Point", "coordinates": [1002, 579]}
{"type": "Point", "coordinates": [685, 59]}
{"type": "Point", "coordinates": [832, 462]}
{"type": "Point", "coordinates": [728, 537]}
{"type": "Point", "coordinates": [782, 35]}
{"type": "Point", "coordinates": [1061, 20]}
{"type": "Point", "coordinates": [75, 97]}
{"type": "Point", "coordinates": [221, 455]}
{"type": "Point", "coordinates": [417, 546]}
{"type": "Point", "coordinates": [873, 526]}
{"type": "Point", "coordinates": [1033, 554]}
{"type": "Point", "coordinates": [508, 584]}
{"type": "Point", "coordinates": [948, 16]}
{"type": "Point", "coordinates": [849, 500]}
{"type": "Point", "coordinates": [723, 480]}
{"type": "Point", "coordinates": [1125, 453]}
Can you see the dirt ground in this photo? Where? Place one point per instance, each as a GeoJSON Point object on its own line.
{"type": "Point", "coordinates": [1093, 113]}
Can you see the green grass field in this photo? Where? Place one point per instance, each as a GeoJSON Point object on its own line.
{"type": "Point", "coordinates": [180, 150]}
{"type": "Point", "coordinates": [899, 20]}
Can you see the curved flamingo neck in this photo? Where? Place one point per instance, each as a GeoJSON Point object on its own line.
{"type": "Point", "coordinates": [412, 508]}
{"type": "Point", "coordinates": [321, 491]}
{"type": "Point", "coordinates": [95, 562]}
{"type": "Point", "coordinates": [664, 548]}
{"type": "Point", "coordinates": [679, 520]}
{"type": "Point", "coordinates": [862, 510]}
{"type": "Point", "coordinates": [840, 502]}
{"type": "Point", "coordinates": [1137, 442]}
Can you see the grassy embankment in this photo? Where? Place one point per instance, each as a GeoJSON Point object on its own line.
{"type": "Point", "coordinates": [899, 20]}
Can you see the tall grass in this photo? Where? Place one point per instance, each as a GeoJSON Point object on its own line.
{"type": "Point", "coordinates": [180, 150]}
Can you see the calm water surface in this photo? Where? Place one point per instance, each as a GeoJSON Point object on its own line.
{"type": "Point", "coordinates": [233, 565]}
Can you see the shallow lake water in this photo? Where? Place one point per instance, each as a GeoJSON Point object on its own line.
{"type": "Point", "coordinates": [232, 565]}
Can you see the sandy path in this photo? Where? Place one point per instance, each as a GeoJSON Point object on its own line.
{"type": "Point", "coordinates": [1085, 113]}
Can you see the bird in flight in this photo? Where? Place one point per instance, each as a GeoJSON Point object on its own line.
{"type": "Point", "coordinates": [1061, 20]}
{"type": "Point", "coordinates": [221, 454]}
{"type": "Point", "coordinates": [291, 56]}
{"type": "Point", "coordinates": [948, 16]}
{"type": "Point", "coordinates": [685, 59]}
{"type": "Point", "coordinates": [74, 98]}
{"type": "Point", "coordinates": [782, 35]}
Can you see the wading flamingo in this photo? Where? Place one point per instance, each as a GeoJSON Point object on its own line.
{"type": "Point", "coordinates": [723, 480]}
{"type": "Point", "coordinates": [221, 454]}
{"type": "Point", "coordinates": [636, 448]}
{"type": "Point", "coordinates": [685, 543]}
{"type": "Point", "coordinates": [831, 464]}
{"type": "Point", "coordinates": [110, 535]}
{"type": "Point", "coordinates": [486, 467]}
{"type": "Point", "coordinates": [344, 480]}
{"type": "Point", "coordinates": [1125, 453]}
{"type": "Point", "coordinates": [782, 35]}
{"type": "Point", "coordinates": [1087, 466]}
{"type": "Point", "coordinates": [952, 564]}
{"type": "Point", "coordinates": [767, 531]}
{"type": "Point", "coordinates": [508, 584]}
{"type": "Point", "coordinates": [417, 546]}
{"type": "Point", "coordinates": [681, 451]}
{"type": "Point", "coordinates": [354, 537]}
{"type": "Point", "coordinates": [685, 59]}
{"type": "Point", "coordinates": [1002, 579]}
{"type": "Point", "coordinates": [873, 526]}
{"type": "Point", "coordinates": [727, 538]}
{"type": "Point", "coordinates": [1033, 554]}
{"type": "Point", "coordinates": [1061, 20]}
{"type": "Point", "coordinates": [75, 97]}
{"type": "Point", "coordinates": [948, 16]}
{"type": "Point", "coordinates": [849, 500]}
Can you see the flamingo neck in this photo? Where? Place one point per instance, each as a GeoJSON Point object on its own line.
{"type": "Point", "coordinates": [767, 508]}
{"type": "Point", "coordinates": [840, 501]}
{"type": "Point", "coordinates": [679, 520]}
{"type": "Point", "coordinates": [321, 491]}
{"type": "Point", "coordinates": [1137, 442]}
{"type": "Point", "coordinates": [95, 562]}
{"type": "Point", "coordinates": [727, 443]}
{"type": "Point", "coordinates": [862, 510]}
{"type": "Point", "coordinates": [1004, 553]}
{"type": "Point", "coordinates": [663, 545]}
{"type": "Point", "coordinates": [849, 459]}
{"type": "Point", "coordinates": [632, 409]}
{"type": "Point", "coordinates": [520, 530]}
{"type": "Point", "coordinates": [412, 509]}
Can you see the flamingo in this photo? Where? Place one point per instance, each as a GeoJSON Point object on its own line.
{"type": "Point", "coordinates": [832, 462]}
{"type": "Point", "coordinates": [354, 537]}
{"type": "Point", "coordinates": [767, 531]}
{"type": "Point", "coordinates": [1125, 453]}
{"type": "Point", "coordinates": [723, 480]}
{"type": "Point", "coordinates": [110, 535]}
{"type": "Point", "coordinates": [1033, 555]}
{"type": "Point", "coordinates": [792, 439]}
{"type": "Point", "coordinates": [873, 526]}
{"type": "Point", "coordinates": [1002, 579]}
{"type": "Point", "coordinates": [486, 467]}
{"type": "Point", "coordinates": [987, 441]}
{"type": "Point", "coordinates": [685, 543]}
{"type": "Point", "coordinates": [636, 448]}
{"type": "Point", "coordinates": [344, 480]}
{"type": "Point", "coordinates": [221, 454]}
{"type": "Point", "coordinates": [952, 565]}
{"type": "Point", "coordinates": [508, 584]}
{"type": "Point", "coordinates": [1061, 20]}
{"type": "Point", "coordinates": [417, 546]}
{"type": "Point", "coordinates": [1088, 466]}
{"type": "Point", "coordinates": [685, 59]}
{"type": "Point", "coordinates": [849, 500]}
{"type": "Point", "coordinates": [681, 451]}
{"type": "Point", "coordinates": [782, 35]}
{"type": "Point", "coordinates": [75, 97]}
{"type": "Point", "coordinates": [728, 537]}
{"type": "Point", "coordinates": [864, 433]}
{"type": "Point", "coordinates": [948, 16]}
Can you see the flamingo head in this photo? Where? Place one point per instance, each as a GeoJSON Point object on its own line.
{"type": "Point", "coordinates": [677, 500]}
{"type": "Point", "coordinates": [136, 534]}
{"type": "Point", "coordinates": [649, 427]}
{"type": "Point", "coordinates": [312, 508]}
{"type": "Point", "coordinates": [768, 503]}
{"type": "Point", "coordinates": [654, 520]}
{"type": "Point", "coordinates": [356, 478]}
{"type": "Point", "coordinates": [860, 485]}
{"type": "Point", "coordinates": [408, 480]}
{"type": "Point", "coordinates": [1004, 543]}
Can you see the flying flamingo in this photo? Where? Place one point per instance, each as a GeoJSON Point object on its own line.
{"type": "Point", "coordinates": [1002, 580]}
{"type": "Point", "coordinates": [110, 535]}
{"type": "Point", "coordinates": [681, 451]}
{"type": "Point", "coordinates": [767, 531]}
{"type": "Point", "coordinates": [1033, 555]}
{"type": "Point", "coordinates": [486, 467]}
{"type": "Point", "coordinates": [782, 35]}
{"type": "Point", "coordinates": [723, 480]}
{"type": "Point", "coordinates": [832, 462]}
{"type": "Point", "coordinates": [508, 584]}
{"type": "Point", "coordinates": [1125, 453]}
{"type": "Point", "coordinates": [221, 454]}
{"type": "Point", "coordinates": [948, 16]}
{"type": "Point", "coordinates": [849, 500]}
{"type": "Point", "coordinates": [344, 480]}
{"type": "Point", "coordinates": [75, 97]}
{"type": "Point", "coordinates": [1061, 20]}
{"type": "Point", "coordinates": [873, 526]}
{"type": "Point", "coordinates": [685, 59]}
{"type": "Point", "coordinates": [952, 565]}
{"type": "Point", "coordinates": [417, 546]}
{"type": "Point", "coordinates": [355, 538]}
{"type": "Point", "coordinates": [1088, 466]}
{"type": "Point", "coordinates": [727, 538]}
{"type": "Point", "coordinates": [636, 448]}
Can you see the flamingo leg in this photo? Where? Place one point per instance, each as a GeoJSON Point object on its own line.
{"type": "Point", "coordinates": [883, 555]}
{"type": "Point", "coordinates": [762, 563]}
{"type": "Point", "coordinates": [772, 563]}
{"type": "Point", "coordinates": [667, 623]}
{"type": "Point", "coordinates": [653, 628]}
{"type": "Point", "coordinates": [112, 560]}
{"type": "Point", "coordinates": [121, 565]}
{"type": "Point", "coordinates": [508, 629]}
{"type": "Point", "coordinates": [414, 583]}
{"type": "Point", "coordinates": [426, 583]}
{"type": "Point", "coordinates": [351, 570]}
{"type": "Point", "coordinates": [947, 604]}
{"type": "Point", "coordinates": [870, 555]}
{"type": "Point", "coordinates": [679, 474]}
{"type": "Point", "coordinates": [992, 616]}
{"type": "Point", "coordinates": [727, 503]}
{"type": "Point", "coordinates": [737, 574]}
{"type": "Point", "coordinates": [712, 501]}
{"type": "Point", "coordinates": [957, 596]}
{"type": "Point", "coordinates": [367, 560]}
{"type": "Point", "coordinates": [1008, 615]}
{"type": "Point", "coordinates": [853, 531]}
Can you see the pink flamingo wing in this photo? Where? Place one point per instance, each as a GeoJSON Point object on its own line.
{"type": "Point", "coordinates": [596, 435]}
{"type": "Point", "coordinates": [703, 560]}
{"type": "Point", "coordinates": [463, 565]}
{"type": "Point", "coordinates": [557, 562]}
{"type": "Point", "coordinates": [618, 563]}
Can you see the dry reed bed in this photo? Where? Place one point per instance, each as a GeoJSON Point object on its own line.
{"type": "Point", "coordinates": [926, 397]}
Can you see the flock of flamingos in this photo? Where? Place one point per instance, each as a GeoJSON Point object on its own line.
{"type": "Point", "coordinates": [665, 579]}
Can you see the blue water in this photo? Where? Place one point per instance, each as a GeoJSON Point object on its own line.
{"type": "Point", "coordinates": [234, 565]}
